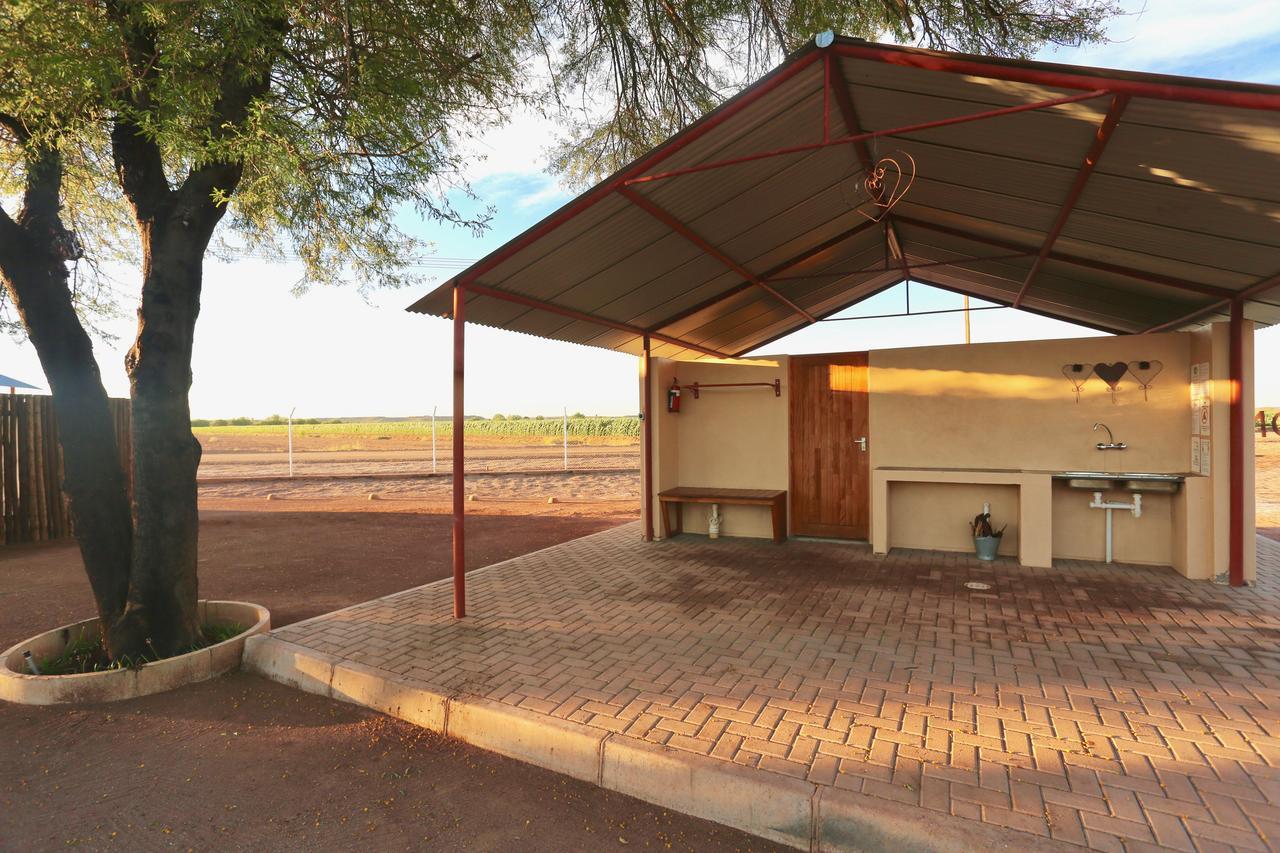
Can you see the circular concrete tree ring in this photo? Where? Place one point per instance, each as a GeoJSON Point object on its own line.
{"type": "Point", "coordinates": [18, 685]}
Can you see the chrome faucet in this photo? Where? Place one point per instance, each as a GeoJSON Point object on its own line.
{"type": "Point", "coordinates": [1111, 443]}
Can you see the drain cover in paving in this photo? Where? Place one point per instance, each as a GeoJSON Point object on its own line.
{"type": "Point", "coordinates": [978, 585]}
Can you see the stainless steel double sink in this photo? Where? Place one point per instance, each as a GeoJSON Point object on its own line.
{"type": "Point", "coordinates": [1098, 481]}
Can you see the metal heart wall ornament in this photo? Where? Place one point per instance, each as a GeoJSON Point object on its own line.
{"type": "Point", "coordinates": [1111, 374]}
{"type": "Point", "coordinates": [1145, 372]}
{"type": "Point", "coordinates": [887, 182]}
{"type": "Point", "coordinates": [1077, 375]}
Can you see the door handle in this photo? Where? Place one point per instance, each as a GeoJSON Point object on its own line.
{"type": "Point", "coordinates": [862, 443]}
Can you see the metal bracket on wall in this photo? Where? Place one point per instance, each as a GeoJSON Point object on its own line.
{"type": "Point", "coordinates": [697, 387]}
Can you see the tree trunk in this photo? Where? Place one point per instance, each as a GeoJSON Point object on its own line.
{"type": "Point", "coordinates": [161, 614]}
{"type": "Point", "coordinates": [33, 267]}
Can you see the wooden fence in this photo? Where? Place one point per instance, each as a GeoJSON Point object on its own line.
{"type": "Point", "coordinates": [31, 501]}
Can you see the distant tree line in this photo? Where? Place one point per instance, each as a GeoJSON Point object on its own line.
{"type": "Point", "coordinates": [272, 420]}
{"type": "Point", "coordinates": [508, 425]}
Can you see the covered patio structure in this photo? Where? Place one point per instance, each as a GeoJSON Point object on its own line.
{"type": "Point", "coordinates": [1129, 203]}
{"type": "Point", "coordinates": [893, 693]}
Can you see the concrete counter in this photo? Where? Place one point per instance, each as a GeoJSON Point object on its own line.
{"type": "Point", "coordinates": [1035, 504]}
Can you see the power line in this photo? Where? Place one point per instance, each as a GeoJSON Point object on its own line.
{"type": "Point", "coordinates": [915, 313]}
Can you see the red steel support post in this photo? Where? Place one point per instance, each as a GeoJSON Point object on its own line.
{"type": "Point", "coordinates": [1235, 564]}
{"type": "Point", "coordinates": [646, 415]}
{"type": "Point", "coordinates": [459, 497]}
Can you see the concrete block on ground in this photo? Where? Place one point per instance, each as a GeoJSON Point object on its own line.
{"type": "Point", "coordinates": [389, 693]}
{"type": "Point", "coordinates": [772, 806]}
{"type": "Point", "coordinates": [305, 669]}
{"type": "Point", "coordinates": [557, 745]}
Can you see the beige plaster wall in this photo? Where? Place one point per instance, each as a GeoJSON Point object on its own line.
{"type": "Point", "coordinates": [728, 438]}
{"type": "Point", "coordinates": [946, 507]}
{"type": "Point", "coordinates": [1007, 405]}
{"type": "Point", "coordinates": [1216, 343]}
{"type": "Point", "coordinates": [1080, 533]}
{"type": "Point", "coordinates": [982, 406]}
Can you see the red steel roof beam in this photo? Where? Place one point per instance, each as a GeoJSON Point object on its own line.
{"type": "Point", "coordinates": [950, 288]}
{"type": "Point", "coordinates": [915, 266]}
{"type": "Point", "coordinates": [789, 263]}
{"type": "Point", "coordinates": [844, 99]}
{"type": "Point", "coordinates": [870, 134]}
{"type": "Point", "coordinates": [658, 213]}
{"type": "Point", "coordinates": [1105, 131]}
{"type": "Point", "coordinates": [1075, 260]}
{"type": "Point", "coordinates": [1067, 77]}
{"type": "Point", "coordinates": [774, 338]}
{"type": "Point", "coordinates": [1257, 289]}
{"type": "Point", "coordinates": [530, 302]}
{"type": "Point", "coordinates": [601, 191]}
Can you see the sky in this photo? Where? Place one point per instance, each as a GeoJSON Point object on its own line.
{"type": "Point", "coordinates": [261, 350]}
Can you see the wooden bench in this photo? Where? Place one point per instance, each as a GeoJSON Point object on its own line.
{"type": "Point", "coordinates": [775, 500]}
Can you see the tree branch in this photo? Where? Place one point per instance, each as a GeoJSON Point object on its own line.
{"type": "Point", "coordinates": [236, 94]}
{"type": "Point", "coordinates": [10, 235]}
{"type": "Point", "coordinates": [137, 157]}
{"type": "Point", "coordinates": [41, 199]}
{"type": "Point", "coordinates": [19, 130]}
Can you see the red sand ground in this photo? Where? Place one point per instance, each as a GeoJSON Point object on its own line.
{"type": "Point", "coordinates": [243, 763]}
{"type": "Point", "coordinates": [1267, 486]}
{"type": "Point", "coordinates": [300, 559]}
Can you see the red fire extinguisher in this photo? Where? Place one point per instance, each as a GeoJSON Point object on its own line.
{"type": "Point", "coordinates": [673, 397]}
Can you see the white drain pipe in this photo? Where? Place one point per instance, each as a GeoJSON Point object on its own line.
{"type": "Point", "coordinates": [1099, 503]}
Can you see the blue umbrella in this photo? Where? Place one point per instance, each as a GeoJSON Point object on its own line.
{"type": "Point", "coordinates": [14, 383]}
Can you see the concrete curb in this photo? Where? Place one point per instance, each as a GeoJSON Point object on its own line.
{"type": "Point", "coordinates": [800, 814]}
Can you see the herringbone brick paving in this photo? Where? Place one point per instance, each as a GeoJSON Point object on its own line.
{"type": "Point", "coordinates": [1117, 707]}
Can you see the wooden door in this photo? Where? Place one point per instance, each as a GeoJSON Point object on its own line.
{"type": "Point", "coordinates": [830, 482]}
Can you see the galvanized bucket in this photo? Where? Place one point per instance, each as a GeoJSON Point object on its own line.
{"type": "Point", "coordinates": [986, 547]}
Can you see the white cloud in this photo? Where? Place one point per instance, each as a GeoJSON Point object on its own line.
{"type": "Point", "coordinates": [1165, 34]}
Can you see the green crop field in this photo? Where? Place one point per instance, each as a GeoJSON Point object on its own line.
{"type": "Point", "coordinates": [579, 427]}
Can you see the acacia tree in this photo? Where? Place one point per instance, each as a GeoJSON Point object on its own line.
{"type": "Point", "coordinates": [132, 129]}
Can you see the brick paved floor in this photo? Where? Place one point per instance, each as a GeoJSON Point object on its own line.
{"type": "Point", "coordinates": [1115, 707]}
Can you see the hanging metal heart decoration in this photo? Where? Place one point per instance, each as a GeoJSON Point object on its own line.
{"type": "Point", "coordinates": [887, 182]}
{"type": "Point", "coordinates": [1145, 372]}
{"type": "Point", "coordinates": [1111, 374]}
{"type": "Point", "coordinates": [1077, 375]}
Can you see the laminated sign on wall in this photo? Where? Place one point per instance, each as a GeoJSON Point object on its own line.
{"type": "Point", "coordinates": [1201, 416]}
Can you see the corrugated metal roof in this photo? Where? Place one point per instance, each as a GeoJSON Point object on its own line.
{"type": "Point", "coordinates": [1181, 211]}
